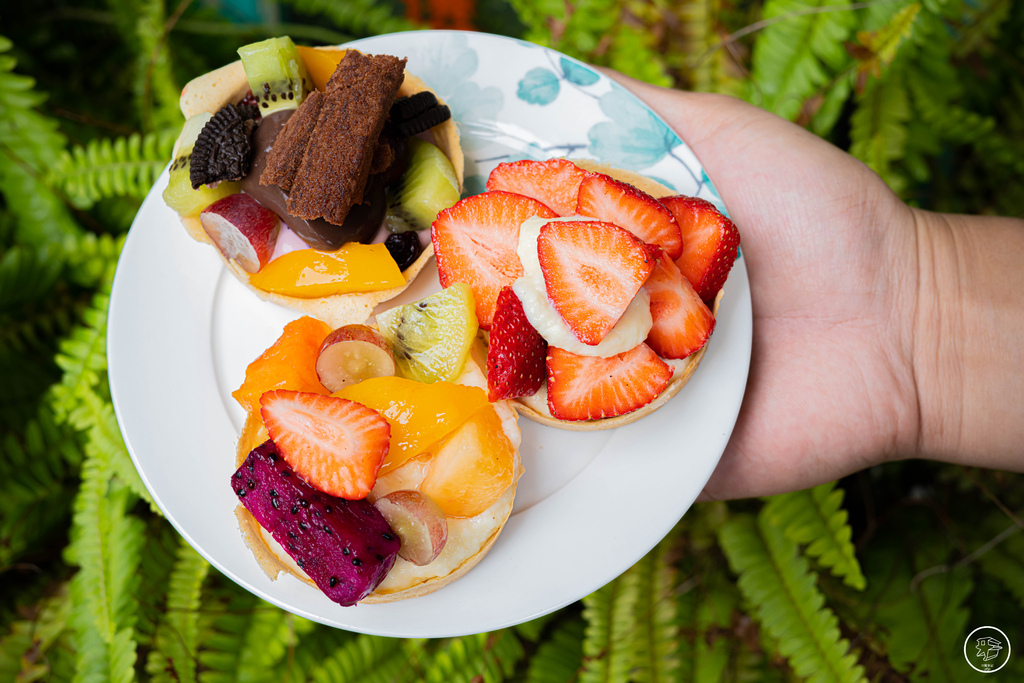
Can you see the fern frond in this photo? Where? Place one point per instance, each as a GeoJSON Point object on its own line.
{"type": "Point", "coordinates": [954, 123]}
{"type": "Point", "coordinates": [174, 657]}
{"type": "Point", "coordinates": [923, 614]}
{"type": "Point", "coordinates": [357, 17]}
{"type": "Point", "coordinates": [113, 167]}
{"type": "Point", "coordinates": [90, 260]}
{"type": "Point", "coordinates": [156, 89]}
{"type": "Point", "coordinates": [532, 630]}
{"type": "Point", "coordinates": [24, 650]}
{"type": "Point", "coordinates": [29, 145]}
{"type": "Point", "coordinates": [796, 56]}
{"type": "Point", "coordinates": [655, 656]}
{"type": "Point", "coordinates": [706, 610]}
{"type": "Point", "coordinates": [159, 555]}
{"type": "Point", "coordinates": [36, 484]}
{"type": "Point", "coordinates": [247, 638]}
{"type": "Point", "coordinates": [106, 543]}
{"type": "Point", "coordinates": [611, 629]}
{"type": "Point", "coordinates": [82, 358]}
{"type": "Point", "coordinates": [560, 657]}
{"type": "Point", "coordinates": [779, 585]}
{"type": "Point", "coordinates": [815, 518]}
{"type": "Point", "coordinates": [364, 658]}
{"type": "Point", "coordinates": [878, 127]}
{"type": "Point", "coordinates": [26, 275]}
{"type": "Point", "coordinates": [95, 416]}
{"type": "Point", "coordinates": [490, 657]}
{"type": "Point", "coordinates": [116, 214]}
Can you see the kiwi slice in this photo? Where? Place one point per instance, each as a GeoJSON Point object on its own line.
{"type": "Point", "coordinates": [428, 186]}
{"type": "Point", "coordinates": [277, 75]}
{"type": "Point", "coordinates": [431, 338]}
{"type": "Point", "coordinates": [179, 194]}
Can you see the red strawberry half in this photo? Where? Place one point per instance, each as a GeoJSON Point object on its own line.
{"type": "Point", "coordinates": [682, 322]}
{"type": "Point", "coordinates": [336, 445]}
{"type": "Point", "coordinates": [610, 200]}
{"type": "Point", "coordinates": [710, 243]}
{"type": "Point", "coordinates": [516, 352]}
{"type": "Point", "coordinates": [475, 242]}
{"type": "Point", "coordinates": [591, 388]}
{"type": "Point", "coordinates": [555, 182]}
{"type": "Point", "coordinates": [592, 271]}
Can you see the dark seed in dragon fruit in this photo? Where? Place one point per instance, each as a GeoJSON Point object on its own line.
{"type": "Point", "coordinates": [345, 546]}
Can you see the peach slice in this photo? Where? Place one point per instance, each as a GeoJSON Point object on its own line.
{"type": "Point", "coordinates": [351, 354]}
{"type": "Point", "coordinates": [419, 522]}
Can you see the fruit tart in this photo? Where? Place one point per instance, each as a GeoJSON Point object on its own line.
{"type": "Point", "coordinates": [316, 173]}
{"type": "Point", "coordinates": [372, 464]}
{"type": "Point", "coordinates": [597, 287]}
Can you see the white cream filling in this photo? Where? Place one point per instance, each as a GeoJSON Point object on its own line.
{"type": "Point", "coordinates": [629, 331]}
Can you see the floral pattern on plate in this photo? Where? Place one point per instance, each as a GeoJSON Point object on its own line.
{"type": "Point", "coordinates": [544, 104]}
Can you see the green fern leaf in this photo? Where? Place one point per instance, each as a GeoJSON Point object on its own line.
{"type": "Point", "coordinates": [358, 17]}
{"type": "Point", "coordinates": [106, 544]}
{"type": "Point", "coordinates": [704, 611]}
{"type": "Point", "coordinates": [778, 583]}
{"type": "Point", "coordinates": [177, 638]}
{"type": "Point", "coordinates": [36, 484]}
{"type": "Point", "coordinates": [91, 260]}
{"type": "Point", "coordinates": [611, 628]}
{"type": "Point", "coordinates": [816, 517]}
{"type": "Point", "coordinates": [878, 127]}
{"type": "Point", "coordinates": [657, 628]}
{"type": "Point", "coordinates": [159, 555]}
{"type": "Point", "coordinates": [156, 89]}
{"type": "Point", "coordinates": [926, 618]}
{"type": "Point", "coordinates": [29, 145]}
{"type": "Point", "coordinates": [25, 650]}
{"type": "Point", "coordinates": [247, 639]}
{"type": "Point", "coordinates": [559, 658]}
{"type": "Point", "coordinates": [532, 630]}
{"type": "Point", "coordinates": [95, 416]}
{"type": "Point", "coordinates": [490, 657]}
{"type": "Point", "coordinates": [27, 275]}
{"type": "Point", "coordinates": [82, 358]}
{"type": "Point", "coordinates": [798, 55]}
{"type": "Point", "coordinates": [118, 167]}
{"type": "Point", "coordinates": [365, 658]}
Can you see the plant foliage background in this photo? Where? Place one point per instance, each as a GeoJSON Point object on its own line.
{"type": "Point", "coordinates": [878, 577]}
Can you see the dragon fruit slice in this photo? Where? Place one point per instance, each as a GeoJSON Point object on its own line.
{"type": "Point", "coordinates": [345, 546]}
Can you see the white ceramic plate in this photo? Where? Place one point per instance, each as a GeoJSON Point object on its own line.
{"type": "Point", "coordinates": [182, 331]}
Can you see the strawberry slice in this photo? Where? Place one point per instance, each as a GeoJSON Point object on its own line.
{"type": "Point", "coordinates": [555, 182]}
{"type": "Point", "coordinates": [475, 242]}
{"type": "Point", "coordinates": [515, 351]}
{"type": "Point", "coordinates": [592, 271]}
{"type": "Point", "coordinates": [590, 387]}
{"type": "Point", "coordinates": [710, 243]}
{"type": "Point", "coordinates": [682, 322]}
{"type": "Point", "coordinates": [335, 444]}
{"type": "Point", "coordinates": [610, 200]}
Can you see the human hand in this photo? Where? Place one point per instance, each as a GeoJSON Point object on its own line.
{"type": "Point", "coordinates": [832, 259]}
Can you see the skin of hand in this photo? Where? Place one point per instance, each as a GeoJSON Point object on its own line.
{"type": "Point", "coordinates": [858, 306]}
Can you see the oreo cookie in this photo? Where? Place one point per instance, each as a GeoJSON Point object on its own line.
{"type": "Point", "coordinates": [425, 120]}
{"type": "Point", "coordinates": [222, 150]}
{"type": "Point", "coordinates": [405, 108]}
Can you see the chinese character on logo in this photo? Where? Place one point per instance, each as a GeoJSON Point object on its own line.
{"type": "Point", "coordinates": [988, 648]}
